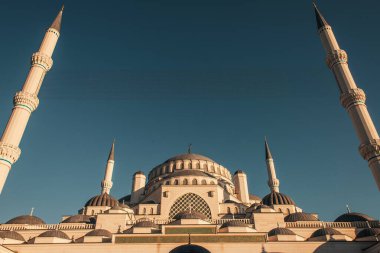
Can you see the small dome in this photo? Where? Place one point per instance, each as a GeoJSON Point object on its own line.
{"type": "Point", "coordinates": [26, 219]}
{"type": "Point", "coordinates": [277, 198]}
{"type": "Point", "coordinates": [234, 223]}
{"type": "Point", "coordinates": [351, 217]}
{"type": "Point", "coordinates": [145, 224]}
{"type": "Point", "coordinates": [280, 231]}
{"type": "Point", "coordinates": [254, 197]}
{"type": "Point", "coordinates": [100, 232]}
{"type": "Point", "coordinates": [80, 218]}
{"type": "Point", "coordinates": [325, 231]}
{"type": "Point", "coordinates": [103, 199]}
{"type": "Point", "coordinates": [294, 217]}
{"type": "Point", "coordinates": [190, 215]}
{"type": "Point", "coordinates": [368, 232]}
{"type": "Point", "coordinates": [256, 206]}
{"type": "Point", "coordinates": [55, 233]}
{"type": "Point", "coordinates": [7, 234]}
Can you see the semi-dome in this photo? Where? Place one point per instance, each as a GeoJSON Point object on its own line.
{"type": "Point", "coordinates": [190, 215]}
{"type": "Point", "coordinates": [7, 234]}
{"type": "Point", "coordinates": [294, 217]}
{"type": "Point", "coordinates": [352, 217]}
{"type": "Point", "coordinates": [55, 233]}
{"type": "Point", "coordinates": [80, 218]}
{"type": "Point", "coordinates": [234, 223]}
{"type": "Point", "coordinates": [280, 231]}
{"type": "Point", "coordinates": [277, 198]}
{"type": "Point", "coordinates": [103, 199]}
{"type": "Point", "coordinates": [100, 232]}
{"type": "Point", "coordinates": [368, 232]}
{"type": "Point", "coordinates": [325, 231]}
{"type": "Point", "coordinates": [26, 219]}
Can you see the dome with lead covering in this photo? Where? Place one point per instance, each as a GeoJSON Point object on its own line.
{"type": "Point", "coordinates": [352, 217]}
{"type": "Point", "coordinates": [55, 233]}
{"type": "Point", "coordinates": [277, 198]}
{"type": "Point", "coordinates": [80, 218]}
{"type": "Point", "coordinates": [325, 231]}
{"type": "Point", "coordinates": [190, 215]}
{"type": "Point", "coordinates": [100, 232]}
{"type": "Point", "coordinates": [280, 231]}
{"type": "Point", "coordinates": [294, 217]}
{"type": "Point", "coordinates": [26, 219]}
{"type": "Point", "coordinates": [234, 223]}
{"type": "Point", "coordinates": [367, 232]}
{"type": "Point", "coordinates": [103, 199]}
{"type": "Point", "coordinates": [145, 224]}
{"type": "Point", "coordinates": [7, 234]}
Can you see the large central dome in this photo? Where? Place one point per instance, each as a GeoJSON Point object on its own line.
{"type": "Point", "coordinates": [189, 157]}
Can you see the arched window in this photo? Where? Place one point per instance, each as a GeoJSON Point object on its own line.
{"type": "Point", "coordinates": [181, 166]}
{"type": "Point", "coordinates": [217, 170]}
{"type": "Point", "coordinates": [167, 182]}
{"type": "Point", "coordinates": [185, 182]}
{"type": "Point", "coordinates": [212, 182]}
{"type": "Point", "coordinates": [174, 167]}
{"type": "Point", "coordinates": [236, 209]}
{"type": "Point", "coordinates": [195, 181]}
{"type": "Point", "coordinates": [203, 181]}
{"type": "Point", "coordinates": [212, 169]}
{"type": "Point", "coordinates": [288, 211]}
{"type": "Point", "coordinates": [92, 212]}
{"type": "Point", "coordinates": [228, 210]}
{"type": "Point", "coordinates": [198, 166]}
{"type": "Point", "coordinates": [205, 167]}
{"type": "Point", "coordinates": [144, 211]}
{"type": "Point", "coordinates": [176, 182]}
{"type": "Point", "coordinates": [151, 210]}
{"type": "Point", "coordinates": [190, 166]}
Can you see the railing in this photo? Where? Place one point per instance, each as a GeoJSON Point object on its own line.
{"type": "Point", "coordinates": [321, 224]}
{"type": "Point", "coordinates": [61, 226]}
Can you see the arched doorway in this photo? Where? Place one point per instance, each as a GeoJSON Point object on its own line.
{"type": "Point", "coordinates": [190, 248]}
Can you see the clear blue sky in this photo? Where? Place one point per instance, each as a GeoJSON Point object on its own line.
{"type": "Point", "coordinates": [158, 75]}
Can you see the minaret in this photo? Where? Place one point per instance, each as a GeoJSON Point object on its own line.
{"type": "Point", "coordinates": [352, 98]}
{"type": "Point", "coordinates": [107, 181]}
{"type": "Point", "coordinates": [273, 182]}
{"type": "Point", "coordinates": [26, 100]}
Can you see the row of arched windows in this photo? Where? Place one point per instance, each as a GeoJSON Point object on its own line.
{"type": "Point", "coordinates": [145, 211]}
{"type": "Point", "coordinates": [187, 182]}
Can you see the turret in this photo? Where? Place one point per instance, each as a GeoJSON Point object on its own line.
{"type": "Point", "coordinates": [241, 186]}
{"type": "Point", "coordinates": [352, 98]}
{"type": "Point", "coordinates": [107, 181]}
{"type": "Point", "coordinates": [26, 100]}
{"type": "Point", "coordinates": [138, 186]}
{"type": "Point", "coordinates": [273, 182]}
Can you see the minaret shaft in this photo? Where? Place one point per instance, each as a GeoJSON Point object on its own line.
{"type": "Point", "coordinates": [107, 181]}
{"type": "Point", "coordinates": [273, 182]}
{"type": "Point", "coordinates": [352, 99]}
{"type": "Point", "coordinates": [25, 102]}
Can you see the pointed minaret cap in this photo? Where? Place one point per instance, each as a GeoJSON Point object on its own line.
{"type": "Point", "coordinates": [58, 20]}
{"type": "Point", "coordinates": [321, 21]}
{"type": "Point", "coordinates": [268, 154]}
{"type": "Point", "coordinates": [112, 152]}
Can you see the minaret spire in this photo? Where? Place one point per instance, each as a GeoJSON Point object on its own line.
{"type": "Point", "coordinates": [273, 182]}
{"type": "Point", "coordinates": [321, 22]}
{"type": "Point", "coordinates": [26, 101]}
{"type": "Point", "coordinates": [107, 181]}
{"type": "Point", "coordinates": [58, 20]}
{"type": "Point", "coordinates": [352, 98]}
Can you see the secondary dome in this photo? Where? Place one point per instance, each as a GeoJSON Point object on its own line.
{"type": "Point", "coordinates": [294, 217]}
{"type": "Point", "coordinates": [352, 217]}
{"type": "Point", "coordinates": [26, 219]}
{"type": "Point", "coordinates": [325, 231]}
{"type": "Point", "coordinates": [190, 215]}
{"type": "Point", "coordinates": [234, 223]}
{"type": "Point", "coordinates": [80, 218]}
{"type": "Point", "coordinates": [145, 224]}
{"type": "Point", "coordinates": [7, 234]}
{"type": "Point", "coordinates": [103, 199]}
{"type": "Point", "coordinates": [277, 198]}
{"type": "Point", "coordinates": [368, 232]}
{"type": "Point", "coordinates": [280, 231]}
{"type": "Point", "coordinates": [99, 232]}
{"type": "Point", "coordinates": [55, 233]}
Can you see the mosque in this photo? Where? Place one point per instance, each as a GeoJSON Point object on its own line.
{"type": "Point", "coordinates": [190, 203]}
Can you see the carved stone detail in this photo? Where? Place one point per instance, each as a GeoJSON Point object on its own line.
{"type": "Point", "coordinates": [9, 152]}
{"type": "Point", "coordinates": [352, 97]}
{"type": "Point", "coordinates": [370, 150]}
{"type": "Point", "coordinates": [336, 56]}
{"type": "Point", "coordinates": [26, 100]}
{"type": "Point", "coordinates": [42, 60]}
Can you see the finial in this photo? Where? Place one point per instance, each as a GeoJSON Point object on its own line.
{"type": "Point", "coordinates": [321, 22]}
{"type": "Point", "coordinates": [111, 156]}
{"type": "Point", "coordinates": [31, 211]}
{"type": "Point", "coordinates": [62, 8]}
{"type": "Point", "coordinates": [189, 148]}
{"type": "Point", "coordinates": [348, 209]}
{"type": "Point", "coordinates": [268, 154]}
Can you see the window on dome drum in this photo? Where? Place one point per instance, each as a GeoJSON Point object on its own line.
{"type": "Point", "coordinates": [181, 166]}
{"type": "Point", "coordinates": [212, 169]}
{"type": "Point", "coordinates": [205, 167]}
{"type": "Point", "coordinates": [190, 166]}
{"type": "Point", "coordinates": [183, 203]}
{"type": "Point", "coordinates": [195, 182]}
{"type": "Point", "coordinates": [174, 167]}
{"type": "Point", "coordinates": [185, 182]}
{"type": "Point", "coordinates": [198, 166]}
{"type": "Point", "coordinates": [166, 169]}
{"type": "Point", "coordinates": [203, 182]}
{"type": "Point", "coordinates": [176, 182]}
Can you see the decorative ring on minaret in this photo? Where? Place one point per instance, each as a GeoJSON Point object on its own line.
{"type": "Point", "coordinates": [370, 150]}
{"type": "Point", "coordinates": [352, 97]}
{"type": "Point", "coordinates": [52, 30]}
{"type": "Point", "coordinates": [42, 60]}
{"type": "Point", "coordinates": [336, 56]}
{"type": "Point", "coordinates": [9, 153]}
{"type": "Point", "coordinates": [26, 100]}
